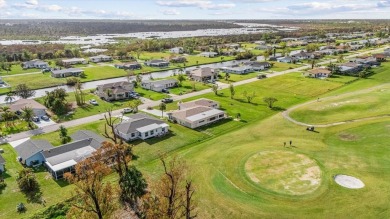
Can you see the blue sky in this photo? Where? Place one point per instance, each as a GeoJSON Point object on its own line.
{"type": "Point", "coordinates": [195, 9]}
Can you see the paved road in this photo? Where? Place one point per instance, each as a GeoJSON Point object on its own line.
{"type": "Point", "coordinates": [286, 114]}
{"type": "Point", "coordinates": [148, 103]}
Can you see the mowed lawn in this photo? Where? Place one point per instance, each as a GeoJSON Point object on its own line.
{"type": "Point", "coordinates": [370, 103]}
{"type": "Point", "coordinates": [17, 69]}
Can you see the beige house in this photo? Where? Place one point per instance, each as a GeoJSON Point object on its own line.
{"type": "Point", "coordinates": [318, 73]}
{"type": "Point", "coordinates": [115, 91]}
{"type": "Point", "coordinates": [203, 74]}
{"type": "Point", "coordinates": [19, 105]}
{"type": "Point", "coordinates": [197, 113]}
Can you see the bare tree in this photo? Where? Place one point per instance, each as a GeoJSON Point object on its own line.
{"type": "Point", "coordinates": [110, 124]}
{"type": "Point", "coordinates": [189, 206]}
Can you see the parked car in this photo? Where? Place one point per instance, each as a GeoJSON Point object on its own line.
{"type": "Point", "coordinates": [45, 118]}
{"type": "Point", "coordinates": [210, 81]}
{"type": "Point", "coordinates": [167, 100]}
{"type": "Point", "coordinates": [127, 110]}
{"type": "Point", "coordinates": [165, 91]}
{"type": "Point", "coordinates": [46, 70]}
{"type": "Point", "coordinates": [261, 76]}
{"type": "Point", "coordinates": [93, 102]}
{"type": "Point", "coordinates": [35, 119]}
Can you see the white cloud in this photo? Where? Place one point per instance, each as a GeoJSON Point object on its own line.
{"type": "Point", "coordinates": [203, 4]}
{"type": "Point", "coordinates": [32, 2]}
{"type": "Point", "coordinates": [170, 12]}
{"type": "Point", "coordinates": [2, 3]}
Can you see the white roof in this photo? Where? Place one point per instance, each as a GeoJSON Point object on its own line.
{"type": "Point", "coordinates": [62, 165]}
{"type": "Point", "coordinates": [149, 127]}
{"type": "Point", "coordinates": [204, 115]}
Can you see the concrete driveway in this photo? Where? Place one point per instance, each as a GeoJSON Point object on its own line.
{"type": "Point", "coordinates": [43, 123]}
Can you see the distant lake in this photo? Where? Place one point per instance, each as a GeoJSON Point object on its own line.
{"type": "Point", "coordinates": [101, 39]}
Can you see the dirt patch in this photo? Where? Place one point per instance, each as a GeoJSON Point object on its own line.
{"type": "Point", "coordinates": [348, 137]}
{"type": "Point", "coordinates": [349, 182]}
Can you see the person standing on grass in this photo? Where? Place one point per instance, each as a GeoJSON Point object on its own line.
{"type": "Point", "coordinates": [290, 142]}
{"type": "Point", "coordinates": [284, 144]}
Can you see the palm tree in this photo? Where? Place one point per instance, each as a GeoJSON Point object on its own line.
{"type": "Point", "coordinates": [162, 107]}
{"type": "Point", "coordinates": [9, 98]}
{"type": "Point", "coordinates": [28, 115]}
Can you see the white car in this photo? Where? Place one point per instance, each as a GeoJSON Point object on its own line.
{"type": "Point", "coordinates": [127, 110]}
{"type": "Point", "coordinates": [93, 102]}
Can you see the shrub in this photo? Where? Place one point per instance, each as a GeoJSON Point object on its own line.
{"type": "Point", "coordinates": [71, 81]}
{"type": "Point", "coordinates": [27, 181]}
{"type": "Point", "coordinates": [20, 207]}
{"type": "Point", "coordinates": [2, 185]}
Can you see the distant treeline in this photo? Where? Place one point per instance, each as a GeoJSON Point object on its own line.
{"type": "Point", "coordinates": [52, 29]}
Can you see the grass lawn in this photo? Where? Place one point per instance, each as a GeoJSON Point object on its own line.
{"type": "Point", "coordinates": [346, 107]}
{"type": "Point", "coordinates": [53, 191]}
{"type": "Point", "coordinates": [237, 77]}
{"type": "Point", "coordinates": [35, 81]}
{"type": "Point", "coordinates": [17, 69]}
{"type": "Point", "coordinates": [88, 109]}
{"type": "Point", "coordinates": [13, 127]}
{"type": "Point", "coordinates": [153, 95]}
{"type": "Point", "coordinates": [280, 66]}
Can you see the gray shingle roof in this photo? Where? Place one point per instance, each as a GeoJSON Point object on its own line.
{"type": "Point", "coordinates": [71, 70]}
{"type": "Point", "coordinates": [85, 134]}
{"type": "Point", "coordinates": [137, 121]}
{"type": "Point", "coordinates": [32, 147]}
{"type": "Point", "coordinates": [166, 81]}
{"type": "Point", "coordinates": [2, 161]}
{"type": "Point", "coordinates": [76, 151]}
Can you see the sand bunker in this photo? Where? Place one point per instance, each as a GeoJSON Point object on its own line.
{"type": "Point", "coordinates": [349, 182]}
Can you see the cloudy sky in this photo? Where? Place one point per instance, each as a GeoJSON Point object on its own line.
{"type": "Point", "coordinates": [195, 9]}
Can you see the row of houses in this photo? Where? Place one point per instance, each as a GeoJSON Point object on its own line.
{"type": "Point", "coordinates": [39, 64]}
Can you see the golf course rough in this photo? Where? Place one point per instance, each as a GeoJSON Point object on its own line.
{"type": "Point", "coordinates": [284, 172]}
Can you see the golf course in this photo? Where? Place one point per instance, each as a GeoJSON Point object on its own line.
{"type": "Point", "coordinates": [262, 165]}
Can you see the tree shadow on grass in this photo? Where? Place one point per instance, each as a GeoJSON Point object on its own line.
{"type": "Point", "coordinates": [278, 109]}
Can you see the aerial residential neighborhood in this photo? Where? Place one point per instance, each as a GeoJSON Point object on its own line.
{"type": "Point", "coordinates": [194, 109]}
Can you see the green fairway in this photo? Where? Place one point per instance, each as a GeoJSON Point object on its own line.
{"type": "Point", "coordinates": [369, 103]}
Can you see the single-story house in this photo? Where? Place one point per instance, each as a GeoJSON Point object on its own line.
{"type": "Point", "coordinates": [245, 69]}
{"type": "Point", "coordinates": [66, 72]}
{"type": "Point", "coordinates": [141, 126]}
{"type": "Point", "coordinates": [203, 74]}
{"type": "Point", "coordinates": [350, 68]}
{"type": "Point", "coordinates": [387, 52]}
{"type": "Point", "coordinates": [258, 66]}
{"type": "Point", "coordinates": [366, 61]}
{"type": "Point", "coordinates": [19, 105]}
{"type": "Point", "coordinates": [100, 58]}
{"type": "Point", "coordinates": [260, 42]}
{"type": "Point", "coordinates": [157, 63]}
{"type": "Point", "coordinates": [130, 65]}
{"type": "Point", "coordinates": [379, 57]}
{"type": "Point", "coordinates": [199, 102]}
{"type": "Point", "coordinates": [36, 63]}
{"type": "Point", "coordinates": [30, 152]}
{"type": "Point", "coordinates": [303, 55]}
{"type": "Point", "coordinates": [196, 114]}
{"type": "Point", "coordinates": [178, 59]}
{"type": "Point", "coordinates": [159, 85]}
{"type": "Point", "coordinates": [263, 47]}
{"type": "Point", "coordinates": [115, 91]}
{"type": "Point", "coordinates": [208, 54]}
{"type": "Point", "coordinates": [74, 61]}
{"type": "Point", "coordinates": [177, 50]}
{"type": "Point", "coordinates": [2, 164]}
{"type": "Point", "coordinates": [318, 73]}
{"type": "Point", "coordinates": [62, 159]}
{"type": "Point", "coordinates": [286, 59]}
